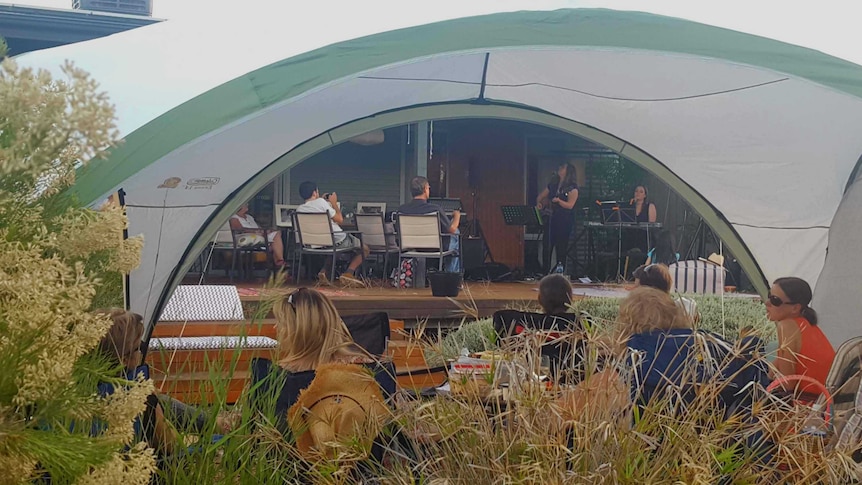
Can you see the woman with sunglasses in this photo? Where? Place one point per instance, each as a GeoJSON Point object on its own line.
{"type": "Point", "coordinates": [803, 349]}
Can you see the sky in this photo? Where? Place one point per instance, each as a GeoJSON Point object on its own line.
{"type": "Point", "coordinates": [829, 26]}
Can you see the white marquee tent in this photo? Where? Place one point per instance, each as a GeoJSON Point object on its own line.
{"type": "Point", "coordinates": [761, 137]}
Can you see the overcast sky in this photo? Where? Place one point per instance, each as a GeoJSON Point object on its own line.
{"type": "Point", "coordinates": [826, 25]}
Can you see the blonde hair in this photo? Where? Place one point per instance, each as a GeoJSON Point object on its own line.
{"type": "Point", "coordinates": [122, 343]}
{"type": "Point", "coordinates": [646, 309]}
{"type": "Point", "coordinates": [310, 332]}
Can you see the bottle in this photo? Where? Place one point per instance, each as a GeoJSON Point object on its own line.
{"type": "Point", "coordinates": [559, 269]}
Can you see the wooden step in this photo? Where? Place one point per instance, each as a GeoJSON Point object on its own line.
{"type": "Point", "coordinates": [198, 387]}
{"type": "Point", "coordinates": [406, 354]}
{"type": "Point", "coordinates": [215, 328]}
{"type": "Point", "coordinates": [182, 361]}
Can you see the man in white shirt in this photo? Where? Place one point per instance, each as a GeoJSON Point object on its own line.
{"type": "Point", "coordinates": [315, 204]}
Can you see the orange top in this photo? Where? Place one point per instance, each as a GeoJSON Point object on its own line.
{"type": "Point", "coordinates": [815, 353]}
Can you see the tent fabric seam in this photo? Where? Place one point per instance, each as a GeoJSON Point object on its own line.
{"type": "Point", "coordinates": [655, 100]}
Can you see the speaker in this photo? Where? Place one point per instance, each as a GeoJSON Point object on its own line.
{"type": "Point", "coordinates": [472, 252]}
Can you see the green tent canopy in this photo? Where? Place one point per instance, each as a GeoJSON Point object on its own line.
{"type": "Point", "coordinates": [759, 136]}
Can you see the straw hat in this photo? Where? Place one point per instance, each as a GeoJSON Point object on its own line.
{"type": "Point", "coordinates": [342, 402]}
{"type": "Point", "coordinates": [716, 259]}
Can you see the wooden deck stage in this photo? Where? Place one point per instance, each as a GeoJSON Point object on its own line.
{"type": "Point", "coordinates": [417, 304]}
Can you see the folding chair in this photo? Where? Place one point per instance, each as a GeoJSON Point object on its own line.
{"type": "Point", "coordinates": [419, 236]}
{"type": "Point", "coordinates": [374, 235]}
{"type": "Point", "coordinates": [565, 352]}
{"type": "Point", "coordinates": [315, 237]}
{"type": "Point", "coordinates": [248, 252]}
{"type": "Point", "coordinates": [845, 383]}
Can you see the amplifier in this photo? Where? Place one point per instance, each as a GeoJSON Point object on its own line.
{"type": "Point", "coordinates": [472, 252]}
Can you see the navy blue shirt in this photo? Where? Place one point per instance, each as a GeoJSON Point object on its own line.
{"type": "Point", "coordinates": [418, 207]}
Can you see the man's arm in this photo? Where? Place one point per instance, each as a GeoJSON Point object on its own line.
{"type": "Point", "coordinates": [456, 221]}
{"type": "Point", "coordinates": [333, 201]}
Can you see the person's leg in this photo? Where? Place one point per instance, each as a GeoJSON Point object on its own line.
{"type": "Point", "coordinates": [277, 246]}
{"type": "Point", "coordinates": [182, 415]}
{"type": "Point", "coordinates": [360, 255]}
{"type": "Point", "coordinates": [562, 246]}
{"type": "Point", "coordinates": [548, 247]}
{"type": "Point", "coordinates": [349, 276]}
{"type": "Point", "coordinates": [454, 263]}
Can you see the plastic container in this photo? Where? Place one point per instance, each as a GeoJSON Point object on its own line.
{"type": "Point", "coordinates": [445, 283]}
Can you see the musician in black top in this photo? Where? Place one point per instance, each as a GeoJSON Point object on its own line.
{"type": "Point", "coordinates": [560, 197]}
{"type": "Point", "coordinates": [637, 241]}
{"type": "Point", "coordinates": [644, 209]}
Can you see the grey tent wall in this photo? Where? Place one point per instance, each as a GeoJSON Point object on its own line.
{"type": "Point", "coordinates": [838, 293]}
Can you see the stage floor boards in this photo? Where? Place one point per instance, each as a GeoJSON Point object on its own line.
{"type": "Point", "coordinates": [411, 305]}
{"type": "Point", "coordinates": [415, 304]}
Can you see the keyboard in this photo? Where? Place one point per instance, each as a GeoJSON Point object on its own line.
{"type": "Point", "coordinates": [625, 225]}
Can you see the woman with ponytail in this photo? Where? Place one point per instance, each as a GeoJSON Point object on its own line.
{"type": "Point", "coordinates": [803, 349]}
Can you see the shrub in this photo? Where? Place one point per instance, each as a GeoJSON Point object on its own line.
{"type": "Point", "coordinates": [724, 316]}
{"type": "Point", "coordinates": [51, 253]}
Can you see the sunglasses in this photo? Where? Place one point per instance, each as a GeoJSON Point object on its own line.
{"type": "Point", "coordinates": [775, 301]}
{"type": "Point", "coordinates": [290, 298]}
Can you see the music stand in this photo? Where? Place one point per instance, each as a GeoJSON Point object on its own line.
{"type": "Point", "coordinates": [614, 215]}
{"type": "Point", "coordinates": [521, 215]}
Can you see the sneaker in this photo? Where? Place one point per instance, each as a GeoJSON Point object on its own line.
{"type": "Point", "coordinates": [348, 279]}
{"type": "Point", "coordinates": [322, 280]}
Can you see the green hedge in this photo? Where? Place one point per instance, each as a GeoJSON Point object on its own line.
{"type": "Point", "coordinates": [735, 312]}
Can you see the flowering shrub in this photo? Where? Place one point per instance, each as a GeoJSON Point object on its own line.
{"type": "Point", "coordinates": [51, 255]}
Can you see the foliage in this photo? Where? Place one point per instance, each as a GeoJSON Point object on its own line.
{"type": "Point", "coordinates": [474, 336]}
{"type": "Point", "coordinates": [586, 434]}
{"type": "Point", "coordinates": [725, 316]}
{"type": "Point", "coordinates": [50, 254]}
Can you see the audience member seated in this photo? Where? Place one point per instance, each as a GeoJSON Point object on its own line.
{"type": "Point", "coordinates": [673, 358]}
{"type": "Point", "coordinates": [657, 276]}
{"type": "Point", "coordinates": [555, 298]}
{"type": "Point", "coordinates": [243, 220]}
{"type": "Point", "coordinates": [663, 250]}
{"type": "Point", "coordinates": [555, 294]}
{"type": "Point", "coordinates": [421, 190]}
{"type": "Point", "coordinates": [803, 349]}
{"type": "Point", "coordinates": [315, 204]}
{"type": "Point", "coordinates": [121, 345]}
{"type": "Point", "coordinates": [310, 334]}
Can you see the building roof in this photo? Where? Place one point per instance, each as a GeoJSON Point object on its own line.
{"type": "Point", "coordinates": [27, 29]}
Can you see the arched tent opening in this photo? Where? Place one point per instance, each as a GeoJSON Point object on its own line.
{"type": "Point", "coordinates": [757, 135]}
{"type": "Point", "coordinates": [465, 111]}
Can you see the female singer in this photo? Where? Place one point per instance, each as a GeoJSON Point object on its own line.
{"type": "Point", "coordinates": [641, 202]}
{"type": "Point", "coordinates": [563, 194]}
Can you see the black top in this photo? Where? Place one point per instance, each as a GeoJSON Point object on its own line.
{"type": "Point", "coordinates": [555, 190]}
{"type": "Point", "coordinates": [418, 207]}
{"type": "Point", "coordinates": [644, 215]}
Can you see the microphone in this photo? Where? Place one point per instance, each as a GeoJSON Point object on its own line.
{"type": "Point", "coordinates": [632, 202]}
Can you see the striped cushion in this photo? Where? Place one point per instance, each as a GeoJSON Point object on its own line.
{"type": "Point", "coordinates": [697, 277]}
{"type": "Point", "coordinates": [211, 343]}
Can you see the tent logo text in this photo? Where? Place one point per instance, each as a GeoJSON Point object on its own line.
{"type": "Point", "coordinates": [202, 183]}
